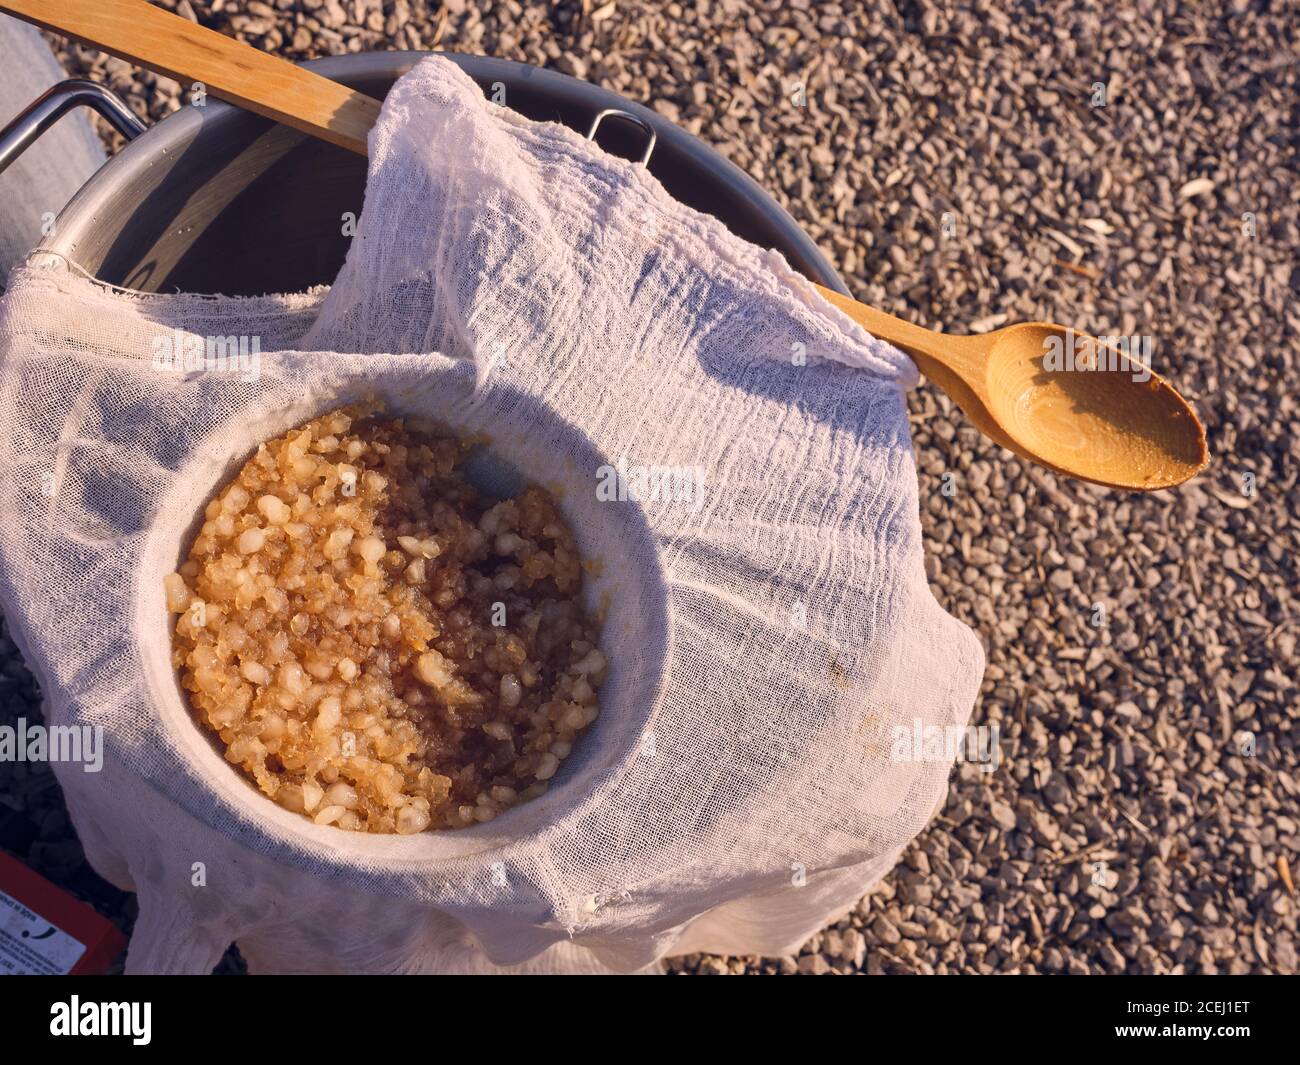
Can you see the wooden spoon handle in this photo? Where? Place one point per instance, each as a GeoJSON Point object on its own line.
{"type": "Point", "coordinates": [277, 89]}
{"type": "Point", "coordinates": [954, 363]}
{"type": "Point", "coordinates": [272, 87]}
{"type": "Point", "coordinates": [230, 70]}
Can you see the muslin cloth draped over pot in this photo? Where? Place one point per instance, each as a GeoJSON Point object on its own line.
{"type": "Point", "coordinates": [766, 608]}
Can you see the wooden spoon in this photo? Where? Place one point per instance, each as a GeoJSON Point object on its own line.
{"type": "Point", "coordinates": [1029, 388]}
{"type": "Point", "coordinates": [1120, 427]}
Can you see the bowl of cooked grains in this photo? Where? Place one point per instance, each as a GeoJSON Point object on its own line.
{"type": "Point", "coordinates": [381, 624]}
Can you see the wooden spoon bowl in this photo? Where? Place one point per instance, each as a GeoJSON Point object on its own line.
{"type": "Point", "coordinates": [1124, 428]}
{"type": "Point", "coordinates": [1111, 420]}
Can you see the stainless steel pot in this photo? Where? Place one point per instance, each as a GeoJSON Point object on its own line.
{"type": "Point", "coordinates": [215, 199]}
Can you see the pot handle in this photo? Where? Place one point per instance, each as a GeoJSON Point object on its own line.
{"type": "Point", "coordinates": [56, 102]}
{"type": "Point", "coordinates": [626, 116]}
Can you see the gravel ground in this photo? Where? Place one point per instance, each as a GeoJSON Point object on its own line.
{"type": "Point", "coordinates": [1137, 645]}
